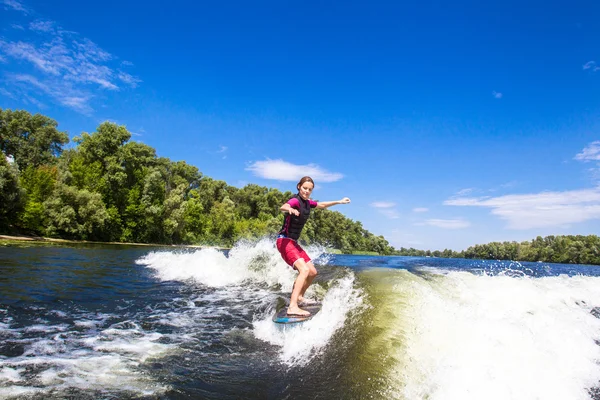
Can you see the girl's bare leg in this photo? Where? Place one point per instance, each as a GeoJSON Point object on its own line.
{"type": "Point", "coordinates": [299, 283]}
{"type": "Point", "coordinates": [312, 273]}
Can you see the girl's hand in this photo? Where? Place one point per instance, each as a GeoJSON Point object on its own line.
{"type": "Point", "coordinates": [345, 200]}
{"type": "Point", "coordinates": [294, 211]}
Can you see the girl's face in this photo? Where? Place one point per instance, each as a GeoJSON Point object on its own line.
{"type": "Point", "coordinates": [305, 190]}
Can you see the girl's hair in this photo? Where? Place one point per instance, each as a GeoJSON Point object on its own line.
{"type": "Point", "coordinates": [305, 179]}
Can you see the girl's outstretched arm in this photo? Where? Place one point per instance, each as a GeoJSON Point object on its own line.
{"type": "Point", "coordinates": [325, 204]}
{"type": "Point", "coordinates": [286, 208]}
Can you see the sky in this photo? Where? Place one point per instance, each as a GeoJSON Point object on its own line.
{"type": "Point", "coordinates": [448, 124]}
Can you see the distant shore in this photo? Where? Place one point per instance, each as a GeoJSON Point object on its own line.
{"type": "Point", "coordinates": [41, 239]}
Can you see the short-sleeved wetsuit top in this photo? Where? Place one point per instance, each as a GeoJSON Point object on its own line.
{"type": "Point", "coordinates": [292, 225]}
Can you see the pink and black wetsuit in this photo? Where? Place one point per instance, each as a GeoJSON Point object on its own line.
{"type": "Point", "coordinates": [292, 225]}
{"type": "Point", "coordinates": [292, 228]}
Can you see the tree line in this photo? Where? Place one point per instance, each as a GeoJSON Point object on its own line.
{"type": "Point", "coordinates": [111, 189]}
{"type": "Point", "coordinates": [567, 249]}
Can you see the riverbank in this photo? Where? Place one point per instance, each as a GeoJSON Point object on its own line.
{"type": "Point", "coordinates": [40, 239]}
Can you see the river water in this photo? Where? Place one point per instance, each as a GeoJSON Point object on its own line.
{"type": "Point", "coordinates": [118, 322]}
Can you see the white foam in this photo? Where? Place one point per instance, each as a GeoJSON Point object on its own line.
{"type": "Point", "coordinates": [16, 391]}
{"type": "Point", "coordinates": [11, 374]}
{"type": "Point", "coordinates": [90, 354]}
{"type": "Point", "coordinates": [129, 342]}
{"type": "Point", "coordinates": [301, 342]}
{"type": "Point", "coordinates": [208, 266]}
{"type": "Point", "coordinates": [87, 324]}
{"type": "Point", "coordinates": [497, 337]}
{"type": "Point", "coordinates": [261, 263]}
{"type": "Point", "coordinates": [104, 360]}
{"type": "Point", "coordinates": [257, 261]}
{"type": "Point", "coordinates": [42, 328]}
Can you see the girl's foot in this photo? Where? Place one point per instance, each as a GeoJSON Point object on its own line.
{"type": "Point", "coordinates": [297, 311]}
{"type": "Point", "coordinates": [308, 302]}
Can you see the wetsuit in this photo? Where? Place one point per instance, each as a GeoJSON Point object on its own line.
{"type": "Point", "coordinates": [292, 228]}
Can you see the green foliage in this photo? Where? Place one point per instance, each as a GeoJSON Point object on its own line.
{"type": "Point", "coordinates": [11, 193]}
{"type": "Point", "coordinates": [103, 144]}
{"type": "Point", "coordinates": [39, 183]}
{"type": "Point", "coordinates": [559, 249]}
{"type": "Point", "coordinates": [74, 213]}
{"type": "Point", "coordinates": [32, 140]}
{"type": "Point", "coordinates": [221, 221]}
{"type": "Point", "coordinates": [365, 253]}
{"type": "Point", "coordinates": [568, 249]}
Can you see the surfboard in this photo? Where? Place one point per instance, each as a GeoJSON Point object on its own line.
{"type": "Point", "coordinates": [281, 316]}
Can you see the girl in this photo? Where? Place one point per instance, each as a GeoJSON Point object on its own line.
{"type": "Point", "coordinates": [297, 211]}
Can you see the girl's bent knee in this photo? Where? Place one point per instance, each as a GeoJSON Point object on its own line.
{"type": "Point", "coordinates": [303, 273]}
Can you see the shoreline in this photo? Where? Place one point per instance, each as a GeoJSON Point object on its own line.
{"type": "Point", "coordinates": [40, 239]}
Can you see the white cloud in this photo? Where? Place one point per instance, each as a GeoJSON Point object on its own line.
{"type": "Point", "coordinates": [383, 204]}
{"type": "Point", "coordinates": [463, 192]}
{"type": "Point", "coordinates": [591, 65]}
{"type": "Point", "coordinates": [539, 210]}
{"type": "Point", "coordinates": [222, 150]}
{"type": "Point", "coordinates": [89, 50]}
{"type": "Point", "coordinates": [497, 95]}
{"type": "Point", "coordinates": [386, 208]}
{"type": "Point", "coordinates": [420, 209]}
{"type": "Point", "coordinates": [285, 171]}
{"type": "Point", "coordinates": [129, 79]}
{"type": "Point", "coordinates": [6, 93]}
{"type": "Point", "coordinates": [62, 93]}
{"type": "Point", "coordinates": [42, 26]}
{"type": "Point", "coordinates": [590, 153]}
{"type": "Point", "coordinates": [448, 223]}
{"type": "Point", "coordinates": [68, 68]}
{"type": "Point", "coordinates": [28, 52]}
{"type": "Point", "coordinates": [15, 5]}
{"type": "Point", "coordinates": [34, 101]}
{"type": "Point", "coordinates": [76, 102]}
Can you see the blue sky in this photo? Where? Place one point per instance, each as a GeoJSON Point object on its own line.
{"type": "Point", "coordinates": [447, 123]}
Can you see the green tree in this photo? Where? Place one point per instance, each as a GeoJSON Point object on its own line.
{"type": "Point", "coordinates": [222, 221]}
{"type": "Point", "coordinates": [74, 213]}
{"type": "Point", "coordinates": [194, 219]}
{"type": "Point", "coordinates": [11, 194]}
{"type": "Point", "coordinates": [31, 140]}
{"type": "Point", "coordinates": [103, 150]}
{"type": "Point", "coordinates": [174, 215]}
{"type": "Point", "coordinates": [39, 183]}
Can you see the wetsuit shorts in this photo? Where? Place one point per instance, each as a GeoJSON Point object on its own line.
{"type": "Point", "coordinates": [291, 251]}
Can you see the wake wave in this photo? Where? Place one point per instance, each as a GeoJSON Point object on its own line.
{"type": "Point", "coordinates": [241, 276]}
{"type": "Point", "coordinates": [259, 262]}
{"type": "Point", "coordinates": [466, 336]}
{"type": "Point", "coordinates": [302, 342]}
